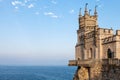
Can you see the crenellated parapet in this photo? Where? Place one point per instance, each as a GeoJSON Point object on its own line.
{"type": "Point", "coordinates": [87, 19]}
{"type": "Point", "coordinates": [103, 31]}
{"type": "Point", "coordinates": [118, 32]}
{"type": "Point", "coordinates": [109, 36]}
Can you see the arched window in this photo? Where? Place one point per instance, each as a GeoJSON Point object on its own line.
{"type": "Point", "coordinates": [90, 54]}
{"type": "Point", "coordinates": [109, 53]}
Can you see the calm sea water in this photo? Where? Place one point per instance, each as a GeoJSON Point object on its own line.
{"type": "Point", "coordinates": [36, 72]}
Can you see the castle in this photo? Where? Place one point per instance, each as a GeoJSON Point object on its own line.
{"type": "Point", "coordinates": [97, 52]}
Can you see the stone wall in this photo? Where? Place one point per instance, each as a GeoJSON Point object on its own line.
{"type": "Point", "coordinates": [111, 72]}
{"type": "Point", "coordinates": [98, 71]}
{"type": "Point", "coordinates": [111, 46]}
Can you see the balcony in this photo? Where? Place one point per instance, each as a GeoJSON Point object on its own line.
{"type": "Point", "coordinates": [85, 63]}
{"type": "Point", "coordinates": [114, 61]}
{"type": "Point", "coordinates": [91, 62]}
{"type": "Point", "coordinates": [72, 62]}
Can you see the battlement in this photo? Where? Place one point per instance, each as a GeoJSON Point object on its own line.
{"type": "Point", "coordinates": [91, 62]}
{"type": "Point", "coordinates": [105, 31]}
{"type": "Point", "coordinates": [117, 32]}
{"type": "Point", "coordinates": [112, 38]}
{"type": "Point", "coordinates": [87, 19]}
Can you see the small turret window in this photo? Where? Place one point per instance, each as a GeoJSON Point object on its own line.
{"type": "Point", "coordinates": [90, 53]}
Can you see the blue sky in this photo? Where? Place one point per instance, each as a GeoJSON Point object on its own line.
{"type": "Point", "coordinates": [43, 32]}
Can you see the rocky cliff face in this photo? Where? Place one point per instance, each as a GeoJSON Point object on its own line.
{"type": "Point", "coordinates": [98, 71]}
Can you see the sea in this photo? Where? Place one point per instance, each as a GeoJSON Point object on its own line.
{"type": "Point", "coordinates": [37, 72]}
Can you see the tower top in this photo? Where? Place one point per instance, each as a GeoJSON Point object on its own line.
{"type": "Point", "coordinates": [89, 11]}
{"type": "Point", "coordinates": [95, 13]}
{"type": "Point", "coordinates": [87, 19]}
{"type": "Point", "coordinates": [80, 14]}
{"type": "Point", "coordinates": [86, 11]}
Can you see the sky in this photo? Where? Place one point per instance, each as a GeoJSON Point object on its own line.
{"type": "Point", "coordinates": [43, 32]}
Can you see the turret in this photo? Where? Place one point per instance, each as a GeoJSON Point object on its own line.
{"type": "Point", "coordinates": [86, 11]}
{"type": "Point", "coordinates": [89, 11]}
{"type": "Point", "coordinates": [95, 12]}
{"type": "Point", "coordinates": [87, 19]}
{"type": "Point", "coordinates": [80, 14]}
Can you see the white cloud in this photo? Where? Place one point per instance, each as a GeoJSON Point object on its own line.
{"type": "Point", "coordinates": [51, 14]}
{"type": "Point", "coordinates": [14, 3]}
{"type": "Point", "coordinates": [22, 3]}
{"type": "Point", "coordinates": [54, 16]}
{"type": "Point", "coordinates": [37, 13]}
{"type": "Point", "coordinates": [30, 6]}
{"type": "Point", "coordinates": [16, 7]}
{"type": "Point", "coordinates": [72, 11]}
{"type": "Point", "coordinates": [26, 1]}
{"type": "Point", "coordinates": [54, 2]}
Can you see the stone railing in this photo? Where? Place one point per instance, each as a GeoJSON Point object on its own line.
{"type": "Point", "coordinates": [72, 63]}
{"type": "Point", "coordinates": [111, 61]}
{"type": "Point", "coordinates": [91, 62]}
{"type": "Point", "coordinates": [86, 63]}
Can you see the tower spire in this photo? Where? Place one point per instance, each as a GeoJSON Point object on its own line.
{"type": "Point", "coordinates": [80, 14]}
{"type": "Point", "coordinates": [89, 11]}
{"type": "Point", "coordinates": [86, 12]}
{"type": "Point", "coordinates": [95, 13]}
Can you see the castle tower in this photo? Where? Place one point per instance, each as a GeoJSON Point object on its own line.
{"type": "Point", "coordinates": [97, 53]}
{"type": "Point", "coordinates": [87, 31]}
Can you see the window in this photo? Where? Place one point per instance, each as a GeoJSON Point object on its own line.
{"type": "Point", "coordinates": [109, 53]}
{"type": "Point", "coordinates": [90, 53]}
